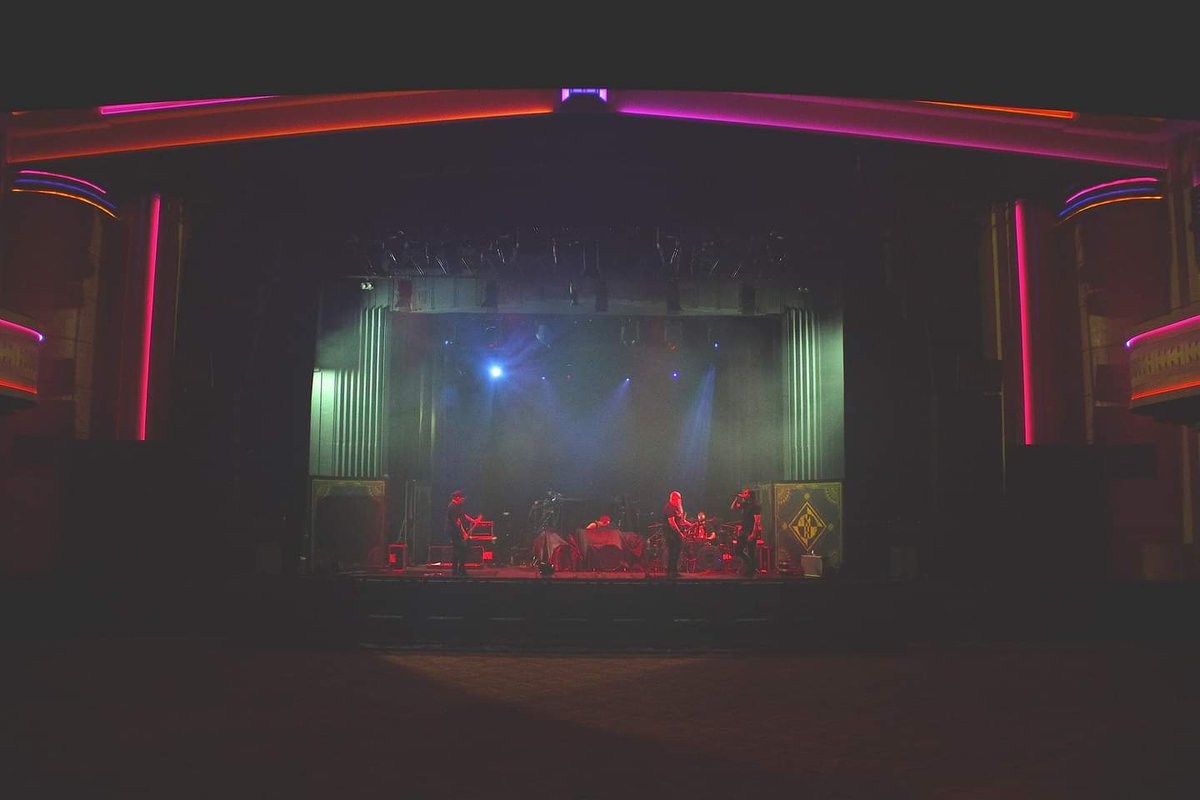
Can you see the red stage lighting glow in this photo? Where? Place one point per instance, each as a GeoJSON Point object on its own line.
{"type": "Point", "coordinates": [151, 268]}
{"type": "Point", "coordinates": [1023, 289]}
{"type": "Point", "coordinates": [19, 387]}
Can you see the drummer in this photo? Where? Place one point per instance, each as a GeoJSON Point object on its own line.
{"type": "Point", "coordinates": [604, 521]}
{"type": "Point", "coordinates": [704, 530]}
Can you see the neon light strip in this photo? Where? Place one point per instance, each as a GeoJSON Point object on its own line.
{"type": "Point", "coordinates": [1114, 200]}
{"type": "Point", "coordinates": [357, 125]}
{"type": "Point", "coordinates": [1023, 289]}
{"type": "Point", "coordinates": [19, 387]}
{"type": "Point", "coordinates": [68, 196]}
{"type": "Point", "coordinates": [1175, 388]}
{"type": "Point", "coordinates": [1034, 112]}
{"type": "Point", "coordinates": [1171, 326]}
{"type": "Point", "coordinates": [6, 324]}
{"type": "Point", "coordinates": [875, 131]}
{"type": "Point", "coordinates": [165, 105]}
{"type": "Point", "coordinates": [75, 191]}
{"type": "Point", "coordinates": [64, 177]}
{"type": "Point", "coordinates": [1067, 202]}
{"type": "Point", "coordinates": [1114, 193]}
{"type": "Point", "coordinates": [151, 268]}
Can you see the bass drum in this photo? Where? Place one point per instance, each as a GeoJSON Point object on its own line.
{"type": "Point", "coordinates": [654, 554]}
{"type": "Point", "coordinates": [708, 558]}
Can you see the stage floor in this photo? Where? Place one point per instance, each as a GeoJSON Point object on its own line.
{"type": "Point", "coordinates": [442, 571]}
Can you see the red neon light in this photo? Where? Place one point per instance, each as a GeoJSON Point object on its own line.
{"type": "Point", "coordinates": [1165, 390]}
{"type": "Point", "coordinates": [151, 268]}
{"type": "Point", "coordinates": [1114, 200]}
{"type": "Point", "coordinates": [19, 387]}
{"type": "Point", "coordinates": [294, 130]}
{"type": "Point", "coordinates": [164, 105]}
{"type": "Point", "coordinates": [1025, 334]}
{"type": "Point", "coordinates": [69, 197]}
{"type": "Point", "coordinates": [1034, 112]}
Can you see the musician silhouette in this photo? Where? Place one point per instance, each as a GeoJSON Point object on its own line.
{"type": "Point", "coordinates": [675, 521]}
{"type": "Point", "coordinates": [458, 526]}
{"type": "Point", "coordinates": [745, 542]}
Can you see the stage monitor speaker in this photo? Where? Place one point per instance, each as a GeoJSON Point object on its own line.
{"type": "Point", "coordinates": [347, 525]}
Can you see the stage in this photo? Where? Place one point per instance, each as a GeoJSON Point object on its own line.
{"type": "Point", "coordinates": [441, 571]}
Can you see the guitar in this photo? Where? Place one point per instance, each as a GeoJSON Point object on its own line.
{"type": "Point", "coordinates": [475, 522]}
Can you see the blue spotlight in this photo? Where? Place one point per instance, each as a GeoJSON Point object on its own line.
{"type": "Point", "coordinates": [675, 375]}
{"type": "Point", "coordinates": [627, 379]}
{"type": "Point", "coordinates": [716, 344]}
{"type": "Point", "coordinates": [495, 371]}
{"type": "Point", "coordinates": [543, 377]}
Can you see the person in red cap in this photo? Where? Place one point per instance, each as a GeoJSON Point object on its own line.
{"type": "Point", "coordinates": [458, 527]}
{"type": "Point", "coordinates": [745, 541]}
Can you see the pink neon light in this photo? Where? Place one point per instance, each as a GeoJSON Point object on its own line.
{"type": "Point", "coordinates": [1023, 289]}
{"type": "Point", "coordinates": [1172, 326]}
{"type": "Point", "coordinates": [1165, 390]}
{"type": "Point", "coordinates": [5, 323]}
{"type": "Point", "coordinates": [151, 268]}
{"type": "Point", "coordinates": [19, 387]}
{"type": "Point", "coordinates": [64, 177]}
{"type": "Point", "coordinates": [131, 108]}
{"type": "Point", "coordinates": [1067, 202]}
{"type": "Point", "coordinates": [878, 132]}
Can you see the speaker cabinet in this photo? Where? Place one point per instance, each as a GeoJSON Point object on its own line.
{"type": "Point", "coordinates": [347, 525]}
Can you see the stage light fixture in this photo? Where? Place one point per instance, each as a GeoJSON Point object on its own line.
{"type": "Point", "coordinates": [491, 336]}
{"type": "Point", "coordinates": [543, 334]}
{"type": "Point", "coordinates": [366, 286]}
{"type": "Point", "coordinates": [573, 293]}
{"type": "Point", "coordinates": [496, 371]}
{"type": "Point", "coordinates": [675, 375]}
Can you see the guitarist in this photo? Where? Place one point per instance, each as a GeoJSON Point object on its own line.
{"type": "Point", "coordinates": [458, 527]}
{"type": "Point", "coordinates": [675, 523]}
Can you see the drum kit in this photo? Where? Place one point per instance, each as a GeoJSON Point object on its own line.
{"type": "Point", "coordinates": [707, 546]}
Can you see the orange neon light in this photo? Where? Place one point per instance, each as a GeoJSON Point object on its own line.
{"type": "Point", "coordinates": [1174, 388]}
{"type": "Point", "coordinates": [19, 387]}
{"type": "Point", "coordinates": [297, 130]}
{"type": "Point", "coordinates": [1033, 112]}
{"type": "Point", "coordinates": [1113, 200]}
{"type": "Point", "coordinates": [69, 197]}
